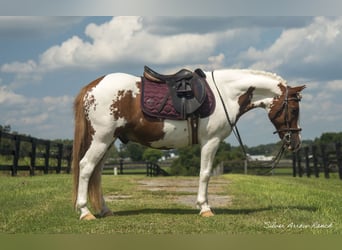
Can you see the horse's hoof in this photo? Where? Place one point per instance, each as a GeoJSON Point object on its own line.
{"type": "Point", "coordinates": [206, 214]}
{"type": "Point", "coordinates": [88, 216]}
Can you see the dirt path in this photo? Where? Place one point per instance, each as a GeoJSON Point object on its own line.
{"type": "Point", "coordinates": [185, 189]}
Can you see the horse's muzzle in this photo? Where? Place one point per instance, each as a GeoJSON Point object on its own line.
{"type": "Point", "coordinates": [292, 141]}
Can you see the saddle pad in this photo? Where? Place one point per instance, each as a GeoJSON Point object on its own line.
{"type": "Point", "coordinates": [153, 96]}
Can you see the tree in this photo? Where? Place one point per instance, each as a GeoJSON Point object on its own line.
{"type": "Point", "coordinates": [188, 162]}
{"type": "Point", "coordinates": [329, 137]}
{"type": "Point", "coordinates": [152, 155]}
{"type": "Point", "coordinates": [132, 150]}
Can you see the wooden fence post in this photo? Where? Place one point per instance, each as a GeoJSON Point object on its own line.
{"type": "Point", "coordinates": [68, 153]}
{"type": "Point", "coordinates": [294, 164]}
{"type": "Point", "coordinates": [339, 158]}
{"type": "Point", "coordinates": [47, 157]}
{"type": "Point", "coordinates": [121, 166]}
{"type": "Point", "coordinates": [299, 161]}
{"type": "Point", "coordinates": [307, 162]}
{"type": "Point", "coordinates": [325, 161]}
{"type": "Point", "coordinates": [33, 156]}
{"type": "Point", "coordinates": [155, 169]}
{"type": "Point", "coordinates": [59, 158]}
{"type": "Point", "coordinates": [16, 154]}
{"type": "Point", "coordinates": [147, 169]}
{"type": "Point", "coordinates": [315, 160]}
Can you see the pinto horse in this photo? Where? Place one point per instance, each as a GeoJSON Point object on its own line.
{"type": "Point", "coordinates": [110, 107]}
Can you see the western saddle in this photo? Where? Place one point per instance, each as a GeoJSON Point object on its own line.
{"type": "Point", "coordinates": [186, 88]}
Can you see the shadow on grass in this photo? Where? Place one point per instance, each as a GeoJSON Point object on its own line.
{"type": "Point", "coordinates": [217, 211]}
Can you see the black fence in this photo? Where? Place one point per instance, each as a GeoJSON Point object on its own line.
{"type": "Point", "coordinates": [25, 153]}
{"type": "Point", "coordinates": [127, 167]}
{"type": "Point", "coordinates": [315, 160]}
{"type": "Point", "coordinates": [254, 167]}
{"type": "Point", "coordinates": [318, 159]}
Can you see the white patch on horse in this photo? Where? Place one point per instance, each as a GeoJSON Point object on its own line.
{"type": "Point", "coordinates": [176, 135]}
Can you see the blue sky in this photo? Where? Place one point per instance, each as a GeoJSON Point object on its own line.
{"type": "Point", "coordinates": [44, 61]}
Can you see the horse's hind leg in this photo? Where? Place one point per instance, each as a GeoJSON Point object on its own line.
{"type": "Point", "coordinates": [90, 170]}
{"type": "Point", "coordinates": [105, 211]}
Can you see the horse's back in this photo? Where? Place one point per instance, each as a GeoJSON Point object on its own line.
{"type": "Point", "coordinates": [119, 81]}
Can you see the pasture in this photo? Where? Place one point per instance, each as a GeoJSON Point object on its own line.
{"type": "Point", "coordinates": [243, 204]}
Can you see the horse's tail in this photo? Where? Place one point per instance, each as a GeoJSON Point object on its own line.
{"type": "Point", "coordinates": [82, 141]}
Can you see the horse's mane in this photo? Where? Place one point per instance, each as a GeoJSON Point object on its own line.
{"type": "Point", "coordinates": [261, 73]}
{"type": "Point", "coordinates": [268, 74]}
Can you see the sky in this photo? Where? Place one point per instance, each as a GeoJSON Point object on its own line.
{"type": "Point", "coordinates": [45, 61]}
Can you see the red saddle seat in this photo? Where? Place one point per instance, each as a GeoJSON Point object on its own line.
{"type": "Point", "coordinates": [178, 96]}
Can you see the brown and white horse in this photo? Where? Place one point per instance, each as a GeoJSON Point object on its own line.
{"type": "Point", "coordinates": [109, 108]}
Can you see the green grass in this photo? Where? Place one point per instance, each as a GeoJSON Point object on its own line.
{"type": "Point", "coordinates": [260, 205]}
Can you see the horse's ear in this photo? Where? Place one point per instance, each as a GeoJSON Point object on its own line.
{"type": "Point", "coordinates": [299, 88]}
{"type": "Point", "coordinates": [296, 91]}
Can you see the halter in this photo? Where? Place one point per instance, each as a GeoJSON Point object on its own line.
{"type": "Point", "coordinates": [285, 108]}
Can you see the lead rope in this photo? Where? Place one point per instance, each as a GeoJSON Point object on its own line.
{"type": "Point", "coordinates": [238, 137]}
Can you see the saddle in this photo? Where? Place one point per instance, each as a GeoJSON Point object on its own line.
{"type": "Point", "coordinates": [186, 89]}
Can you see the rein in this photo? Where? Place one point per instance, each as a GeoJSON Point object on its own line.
{"type": "Point", "coordinates": [232, 125]}
{"type": "Point", "coordinates": [237, 134]}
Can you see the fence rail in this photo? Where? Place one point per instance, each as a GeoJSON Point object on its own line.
{"type": "Point", "coordinates": [317, 159]}
{"type": "Point", "coordinates": [121, 167]}
{"type": "Point", "coordinates": [25, 153]}
{"type": "Point", "coordinates": [310, 161]}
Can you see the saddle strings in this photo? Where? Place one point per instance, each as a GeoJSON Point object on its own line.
{"type": "Point", "coordinates": [238, 137]}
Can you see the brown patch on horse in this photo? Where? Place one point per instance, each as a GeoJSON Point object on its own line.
{"type": "Point", "coordinates": [293, 96]}
{"type": "Point", "coordinates": [83, 133]}
{"type": "Point", "coordinates": [284, 114]}
{"type": "Point", "coordinates": [139, 127]}
{"type": "Point", "coordinates": [245, 101]}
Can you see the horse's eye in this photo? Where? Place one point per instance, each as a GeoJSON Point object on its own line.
{"type": "Point", "coordinates": [294, 111]}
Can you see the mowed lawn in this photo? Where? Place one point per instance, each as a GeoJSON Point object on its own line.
{"type": "Point", "coordinates": [257, 205]}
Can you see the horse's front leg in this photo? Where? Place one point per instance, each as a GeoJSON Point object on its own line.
{"type": "Point", "coordinates": [208, 152]}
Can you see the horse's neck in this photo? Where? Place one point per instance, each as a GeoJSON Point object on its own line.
{"type": "Point", "coordinates": [251, 88]}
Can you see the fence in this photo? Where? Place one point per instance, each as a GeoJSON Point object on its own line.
{"type": "Point", "coordinates": [126, 167]}
{"type": "Point", "coordinates": [254, 167]}
{"type": "Point", "coordinates": [316, 159]}
{"type": "Point", "coordinates": [25, 153]}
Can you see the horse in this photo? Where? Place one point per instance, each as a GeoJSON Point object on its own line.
{"type": "Point", "coordinates": [109, 108]}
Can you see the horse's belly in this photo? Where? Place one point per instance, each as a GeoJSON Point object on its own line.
{"type": "Point", "coordinates": [176, 135]}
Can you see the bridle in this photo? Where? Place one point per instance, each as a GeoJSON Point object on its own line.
{"type": "Point", "coordinates": [285, 108]}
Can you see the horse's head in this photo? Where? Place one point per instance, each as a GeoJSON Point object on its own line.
{"type": "Point", "coordinates": [284, 114]}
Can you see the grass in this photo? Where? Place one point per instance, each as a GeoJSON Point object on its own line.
{"type": "Point", "coordinates": [261, 205]}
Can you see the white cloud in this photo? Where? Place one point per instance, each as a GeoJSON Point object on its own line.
{"type": "Point", "coordinates": [137, 40]}
{"type": "Point", "coordinates": [47, 117]}
{"type": "Point", "coordinates": [313, 50]}
{"type": "Point", "coordinates": [124, 39]}
{"type": "Point", "coordinates": [8, 97]}
{"type": "Point", "coordinates": [335, 85]}
{"type": "Point", "coordinates": [19, 67]}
